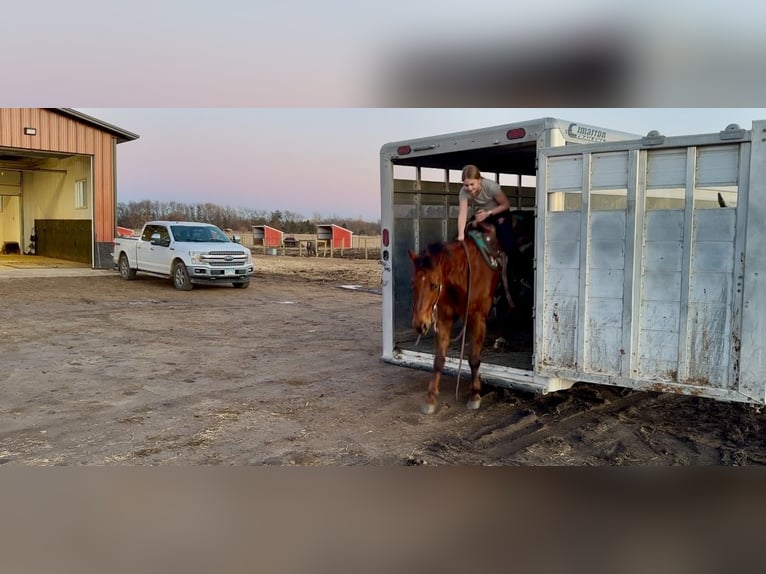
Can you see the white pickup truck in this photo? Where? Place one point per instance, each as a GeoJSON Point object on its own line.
{"type": "Point", "coordinates": [186, 252]}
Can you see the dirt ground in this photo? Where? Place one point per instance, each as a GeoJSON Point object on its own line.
{"type": "Point", "coordinates": [100, 371]}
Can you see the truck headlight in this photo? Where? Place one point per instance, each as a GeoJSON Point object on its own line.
{"type": "Point", "coordinates": [195, 257]}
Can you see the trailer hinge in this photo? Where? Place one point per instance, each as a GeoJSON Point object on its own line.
{"type": "Point", "coordinates": [653, 138]}
{"type": "Point", "coordinates": [732, 132]}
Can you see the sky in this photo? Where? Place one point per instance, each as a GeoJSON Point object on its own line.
{"type": "Point", "coordinates": [324, 161]}
{"type": "Point", "coordinates": [284, 105]}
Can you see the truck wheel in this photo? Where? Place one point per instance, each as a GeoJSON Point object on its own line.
{"type": "Point", "coordinates": [125, 271]}
{"type": "Point", "coordinates": [241, 285]}
{"type": "Point", "coordinates": [181, 279]}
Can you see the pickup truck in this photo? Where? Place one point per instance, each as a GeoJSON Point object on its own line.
{"type": "Point", "coordinates": [187, 252]}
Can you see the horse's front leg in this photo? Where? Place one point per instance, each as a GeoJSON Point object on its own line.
{"type": "Point", "coordinates": [442, 339]}
{"type": "Point", "coordinates": [478, 329]}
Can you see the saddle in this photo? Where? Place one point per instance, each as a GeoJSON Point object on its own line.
{"type": "Point", "coordinates": [482, 239]}
{"type": "Point", "coordinates": [480, 234]}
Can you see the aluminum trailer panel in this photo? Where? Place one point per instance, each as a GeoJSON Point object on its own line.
{"type": "Point", "coordinates": [649, 266]}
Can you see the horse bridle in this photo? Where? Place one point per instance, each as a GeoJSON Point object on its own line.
{"type": "Point", "coordinates": [434, 310]}
{"type": "Point", "coordinates": [434, 315]}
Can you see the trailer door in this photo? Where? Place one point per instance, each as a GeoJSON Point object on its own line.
{"type": "Point", "coordinates": [639, 259]}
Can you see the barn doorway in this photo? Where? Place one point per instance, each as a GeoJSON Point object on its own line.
{"type": "Point", "coordinates": [46, 204]}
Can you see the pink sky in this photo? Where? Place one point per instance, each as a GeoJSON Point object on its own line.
{"type": "Point", "coordinates": [322, 161]}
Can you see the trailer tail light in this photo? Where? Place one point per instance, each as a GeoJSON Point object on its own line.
{"type": "Point", "coordinates": [384, 237]}
{"type": "Point", "coordinates": [403, 149]}
{"type": "Point", "coordinates": [515, 133]}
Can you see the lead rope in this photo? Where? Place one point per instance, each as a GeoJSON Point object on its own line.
{"type": "Point", "coordinates": [465, 320]}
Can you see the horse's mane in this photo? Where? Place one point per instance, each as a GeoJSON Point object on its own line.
{"type": "Point", "coordinates": [430, 257]}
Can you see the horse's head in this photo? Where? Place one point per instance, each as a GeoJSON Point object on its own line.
{"type": "Point", "coordinates": [426, 288]}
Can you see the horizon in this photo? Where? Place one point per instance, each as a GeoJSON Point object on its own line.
{"type": "Point", "coordinates": [318, 162]}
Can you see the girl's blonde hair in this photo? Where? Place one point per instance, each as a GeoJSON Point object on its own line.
{"type": "Point", "coordinates": [470, 172]}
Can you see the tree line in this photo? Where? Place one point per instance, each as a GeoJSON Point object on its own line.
{"type": "Point", "coordinates": [134, 214]}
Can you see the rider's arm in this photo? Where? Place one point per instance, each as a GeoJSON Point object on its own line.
{"type": "Point", "coordinates": [462, 217]}
{"type": "Point", "coordinates": [503, 204]}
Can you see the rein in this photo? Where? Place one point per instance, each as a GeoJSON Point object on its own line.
{"type": "Point", "coordinates": [465, 320]}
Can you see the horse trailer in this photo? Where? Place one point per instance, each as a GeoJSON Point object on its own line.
{"type": "Point", "coordinates": [647, 267]}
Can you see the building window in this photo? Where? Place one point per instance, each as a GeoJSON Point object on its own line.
{"type": "Point", "coordinates": [81, 194]}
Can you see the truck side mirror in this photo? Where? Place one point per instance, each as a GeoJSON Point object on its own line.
{"type": "Point", "coordinates": [155, 239]}
{"type": "Point", "coordinates": [236, 239]}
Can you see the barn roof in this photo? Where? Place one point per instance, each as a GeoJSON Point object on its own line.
{"type": "Point", "coordinates": [333, 225]}
{"type": "Point", "coordinates": [122, 135]}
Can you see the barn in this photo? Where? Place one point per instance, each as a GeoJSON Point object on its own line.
{"type": "Point", "coordinates": [58, 191]}
{"type": "Point", "coordinates": [266, 236]}
{"type": "Point", "coordinates": [337, 236]}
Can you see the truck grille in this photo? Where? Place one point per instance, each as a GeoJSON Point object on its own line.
{"type": "Point", "coordinates": [224, 258]}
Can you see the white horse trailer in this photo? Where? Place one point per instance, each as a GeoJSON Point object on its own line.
{"type": "Point", "coordinates": [649, 254]}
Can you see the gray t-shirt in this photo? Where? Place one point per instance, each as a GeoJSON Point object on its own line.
{"type": "Point", "coordinates": [485, 199]}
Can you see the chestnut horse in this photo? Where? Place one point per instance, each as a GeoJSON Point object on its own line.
{"type": "Point", "coordinates": [446, 276]}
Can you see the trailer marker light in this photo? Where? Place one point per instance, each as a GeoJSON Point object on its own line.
{"type": "Point", "coordinates": [385, 238]}
{"type": "Point", "coordinates": [515, 133]}
{"type": "Point", "coordinates": [403, 149]}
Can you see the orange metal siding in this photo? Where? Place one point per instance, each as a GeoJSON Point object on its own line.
{"type": "Point", "coordinates": [339, 237]}
{"type": "Point", "coordinates": [58, 133]}
{"type": "Point", "coordinates": [271, 237]}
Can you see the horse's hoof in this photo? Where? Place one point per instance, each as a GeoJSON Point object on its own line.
{"type": "Point", "coordinates": [473, 404]}
{"type": "Point", "coordinates": [428, 409]}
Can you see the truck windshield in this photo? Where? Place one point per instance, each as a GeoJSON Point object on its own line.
{"type": "Point", "coordinates": [199, 234]}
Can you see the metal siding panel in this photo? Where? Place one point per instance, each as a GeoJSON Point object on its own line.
{"type": "Point", "coordinates": [659, 315]}
{"type": "Point", "coordinates": [658, 346]}
{"type": "Point", "coordinates": [15, 127]}
{"type": "Point", "coordinates": [604, 312]}
{"type": "Point", "coordinates": [28, 121]}
{"type": "Point", "coordinates": [715, 224]}
{"type": "Point", "coordinates": [563, 255]}
{"type": "Point", "coordinates": [666, 168]}
{"type": "Point", "coordinates": [608, 225]}
{"type": "Point", "coordinates": [753, 280]}
{"type": "Point", "coordinates": [607, 283]}
{"type": "Point", "coordinates": [5, 126]}
{"type": "Point", "coordinates": [715, 256]}
{"type": "Point", "coordinates": [61, 133]}
{"type": "Point", "coordinates": [605, 350]}
{"type": "Point", "coordinates": [607, 254]}
{"type": "Point", "coordinates": [658, 369]}
{"type": "Point", "coordinates": [711, 288]}
{"type": "Point", "coordinates": [708, 345]}
{"type": "Point", "coordinates": [663, 255]}
{"type": "Point", "coordinates": [718, 165]}
{"type": "Point", "coordinates": [565, 173]}
{"type": "Point", "coordinates": [609, 170]}
{"type": "Point", "coordinates": [103, 191]}
{"type": "Point", "coordinates": [664, 225]}
{"type": "Point", "coordinates": [562, 283]}
{"type": "Point", "coordinates": [563, 226]}
{"type": "Point", "coordinates": [80, 146]}
{"type": "Point", "coordinates": [560, 334]}
{"type": "Point", "coordinates": [47, 130]}
{"type": "Point", "coordinates": [561, 275]}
